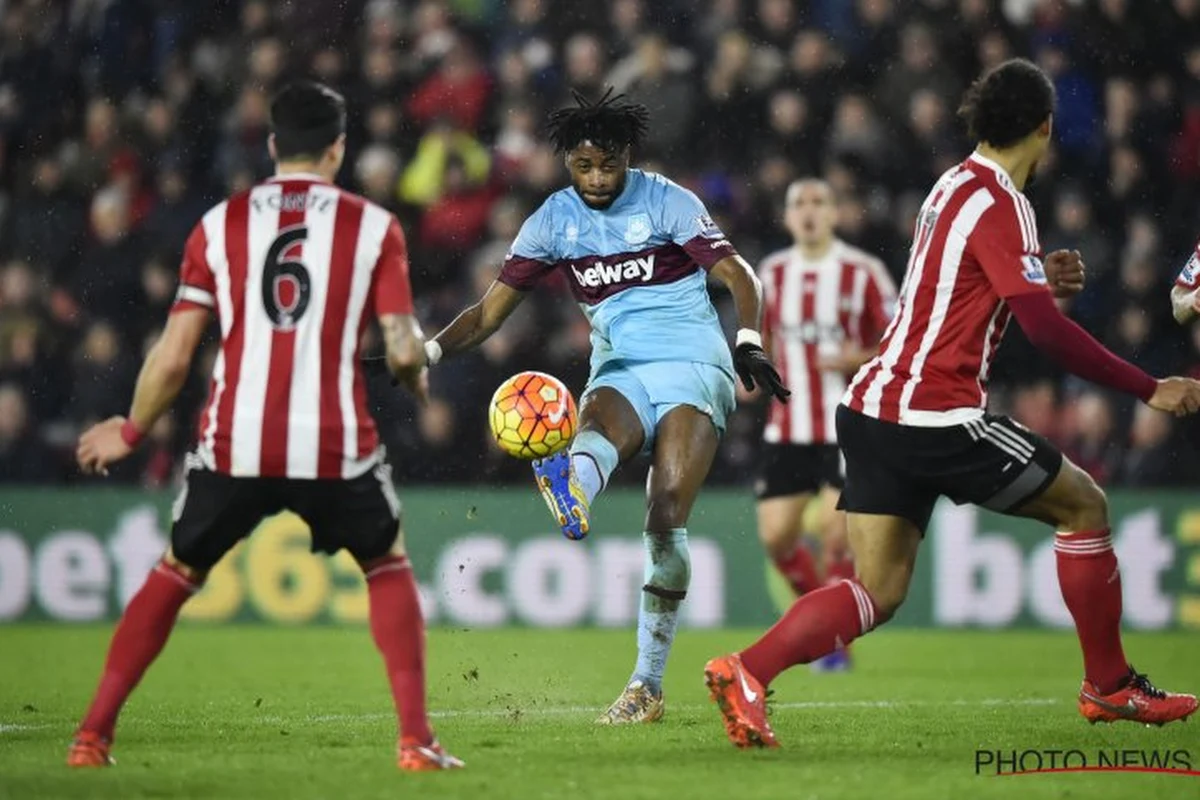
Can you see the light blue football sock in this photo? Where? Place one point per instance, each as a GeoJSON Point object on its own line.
{"type": "Point", "coordinates": [593, 458]}
{"type": "Point", "coordinates": [668, 570]}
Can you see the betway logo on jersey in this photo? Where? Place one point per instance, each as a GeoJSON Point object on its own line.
{"type": "Point", "coordinates": [601, 274]}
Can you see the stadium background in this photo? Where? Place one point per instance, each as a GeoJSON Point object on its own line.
{"type": "Point", "coordinates": [121, 121]}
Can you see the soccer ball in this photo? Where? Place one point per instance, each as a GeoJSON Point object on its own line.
{"type": "Point", "coordinates": [532, 415]}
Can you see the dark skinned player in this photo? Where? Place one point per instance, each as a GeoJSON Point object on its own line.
{"type": "Point", "coordinates": [637, 251]}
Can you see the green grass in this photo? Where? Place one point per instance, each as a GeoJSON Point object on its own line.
{"type": "Point", "coordinates": [256, 712]}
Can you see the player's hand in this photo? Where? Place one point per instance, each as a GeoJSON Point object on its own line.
{"type": "Point", "coordinates": [1178, 396]}
{"type": "Point", "coordinates": [755, 369]}
{"type": "Point", "coordinates": [101, 445]}
{"type": "Point", "coordinates": [1065, 273]}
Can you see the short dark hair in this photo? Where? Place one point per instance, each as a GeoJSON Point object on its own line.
{"type": "Point", "coordinates": [612, 123]}
{"type": "Point", "coordinates": [306, 118]}
{"type": "Point", "coordinates": [1007, 103]}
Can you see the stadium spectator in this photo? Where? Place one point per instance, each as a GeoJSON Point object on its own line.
{"type": "Point", "coordinates": [119, 121]}
{"type": "Point", "coordinates": [24, 458]}
{"type": "Point", "coordinates": [1153, 457]}
{"type": "Point", "coordinates": [105, 281]}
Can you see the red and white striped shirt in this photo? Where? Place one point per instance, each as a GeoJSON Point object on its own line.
{"type": "Point", "coordinates": [975, 244]}
{"type": "Point", "coordinates": [810, 310]}
{"type": "Point", "coordinates": [293, 268]}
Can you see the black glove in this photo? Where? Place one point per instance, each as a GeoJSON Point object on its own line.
{"type": "Point", "coordinates": [755, 369]}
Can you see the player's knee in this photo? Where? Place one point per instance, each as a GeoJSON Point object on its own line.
{"type": "Point", "coordinates": [887, 588]}
{"type": "Point", "coordinates": [1087, 508]}
{"type": "Point", "coordinates": [888, 597]}
{"type": "Point", "coordinates": [777, 540]}
{"type": "Point", "coordinates": [667, 508]}
{"type": "Point", "coordinates": [192, 574]}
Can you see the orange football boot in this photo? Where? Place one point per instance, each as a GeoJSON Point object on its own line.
{"type": "Point", "coordinates": [90, 750]}
{"type": "Point", "coordinates": [412, 756]}
{"type": "Point", "coordinates": [1137, 701]}
{"type": "Point", "coordinates": [742, 701]}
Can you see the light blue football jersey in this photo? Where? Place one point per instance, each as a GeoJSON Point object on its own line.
{"type": "Point", "coordinates": [637, 268]}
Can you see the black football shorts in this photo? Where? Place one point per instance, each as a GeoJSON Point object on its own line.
{"type": "Point", "coordinates": [215, 511]}
{"type": "Point", "coordinates": [789, 469]}
{"type": "Point", "coordinates": [901, 470]}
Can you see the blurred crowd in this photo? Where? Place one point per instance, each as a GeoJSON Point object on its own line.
{"type": "Point", "coordinates": [122, 120]}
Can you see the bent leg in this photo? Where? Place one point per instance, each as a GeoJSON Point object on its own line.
{"type": "Point", "coordinates": [885, 550]}
{"type": "Point", "coordinates": [213, 513]}
{"type": "Point", "coordinates": [781, 529]}
{"type": "Point", "coordinates": [140, 636]}
{"type": "Point", "coordinates": [610, 433]}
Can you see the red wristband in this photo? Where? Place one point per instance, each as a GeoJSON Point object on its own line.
{"type": "Point", "coordinates": [131, 434]}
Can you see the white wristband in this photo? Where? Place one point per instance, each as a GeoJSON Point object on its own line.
{"type": "Point", "coordinates": [748, 336]}
{"type": "Point", "coordinates": [433, 351]}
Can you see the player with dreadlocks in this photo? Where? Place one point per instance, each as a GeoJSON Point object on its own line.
{"type": "Point", "coordinates": [637, 250]}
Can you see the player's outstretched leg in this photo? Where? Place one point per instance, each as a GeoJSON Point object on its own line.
{"type": "Point", "coordinates": [610, 431]}
{"type": "Point", "coordinates": [138, 639]}
{"type": "Point", "coordinates": [399, 632]}
{"type": "Point", "coordinates": [781, 530]}
{"type": "Point", "coordinates": [569, 481]}
{"type": "Point", "coordinates": [1090, 580]}
{"type": "Point", "coordinates": [817, 624]}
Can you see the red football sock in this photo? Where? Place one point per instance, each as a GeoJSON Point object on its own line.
{"type": "Point", "coordinates": [1090, 581]}
{"type": "Point", "coordinates": [399, 633]}
{"type": "Point", "coordinates": [816, 625]}
{"type": "Point", "coordinates": [137, 641]}
{"type": "Point", "coordinates": [799, 569]}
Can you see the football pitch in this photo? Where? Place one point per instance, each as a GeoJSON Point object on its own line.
{"type": "Point", "coordinates": [255, 712]}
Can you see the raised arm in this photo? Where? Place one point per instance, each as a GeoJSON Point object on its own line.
{"type": "Point", "coordinates": [1078, 353]}
{"type": "Point", "coordinates": [1007, 250]}
{"type": "Point", "coordinates": [476, 322]}
{"type": "Point", "coordinates": [531, 258]}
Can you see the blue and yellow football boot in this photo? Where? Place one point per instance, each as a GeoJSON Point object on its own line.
{"type": "Point", "coordinates": [564, 496]}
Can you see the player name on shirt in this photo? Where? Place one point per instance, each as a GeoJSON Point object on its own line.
{"type": "Point", "coordinates": [292, 201]}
